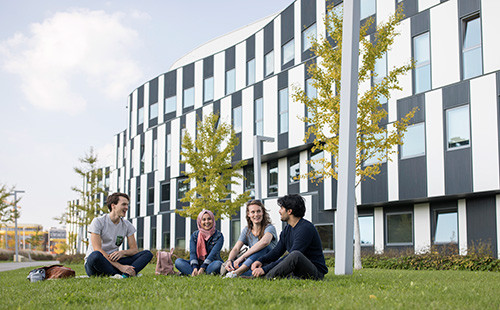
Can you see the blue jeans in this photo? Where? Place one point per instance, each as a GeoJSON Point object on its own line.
{"type": "Point", "coordinates": [185, 267]}
{"type": "Point", "coordinates": [252, 258]}
{"type": "Point", "coordinates": [98, 265]}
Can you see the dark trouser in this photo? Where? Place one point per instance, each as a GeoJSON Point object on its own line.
{"type": "Point", "coordinates": [98, 265]}
{"type": "Point", "coordinates": [295, 265]}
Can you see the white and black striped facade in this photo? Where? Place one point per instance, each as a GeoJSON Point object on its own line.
{"type": "Point", "coordinates": [447, 186]}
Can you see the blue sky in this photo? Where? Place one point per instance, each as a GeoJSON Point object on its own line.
{"type": "Point", "coordinates": [66, 69]}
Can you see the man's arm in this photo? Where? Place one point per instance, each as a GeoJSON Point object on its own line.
{"type": "Point", "coordinates": [96, 242]}
{"type": "Point", "coordinates": [132, 244]}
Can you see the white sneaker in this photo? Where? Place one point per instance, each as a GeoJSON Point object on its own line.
{"type": "Point", "coordinates": [231, 275]}
{"type": "Point", "coordinates": [117, 276]}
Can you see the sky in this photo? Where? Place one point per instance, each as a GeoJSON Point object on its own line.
{"type": "Point", "coordinates": [66, 70]}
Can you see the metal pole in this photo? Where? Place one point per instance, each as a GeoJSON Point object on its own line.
{"type": "Point", "coordinates": [15, 224]}
{"type": "Point", "coordinates": [257, 163]}
{"type": "Point", "coordinates": [346, 199]}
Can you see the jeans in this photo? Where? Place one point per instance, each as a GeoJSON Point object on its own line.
{"type": "Point", "coordinates": [185, 267]}
{"type": "Point", "coordinates": [252, 258]}
{"type": "Point", "coordinates": [98, 265]}
{"type": "Point", "coordinates": [295, 265]}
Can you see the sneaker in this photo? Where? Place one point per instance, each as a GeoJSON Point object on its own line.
{"type": "Point", "coordinates": [223, 270]}
{"type": "Point", "coordinates": [119, 276]}
{"type": "Point", "coordinates": [231, 275]}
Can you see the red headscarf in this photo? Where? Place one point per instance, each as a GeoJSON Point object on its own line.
{"type": "Point", "coordinates": [204, 235]}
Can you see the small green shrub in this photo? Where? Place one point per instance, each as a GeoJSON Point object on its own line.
{"type": "Point", "coordinates": [71, 259]}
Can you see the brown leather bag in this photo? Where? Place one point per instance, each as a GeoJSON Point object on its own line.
{"type": "Point", "coordinates": [58, 272]}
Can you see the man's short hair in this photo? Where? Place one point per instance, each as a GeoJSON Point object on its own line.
{"type": "Point", "coordinates": [114, 198]}
{"type": "Point", "coordinates": [293, 202]}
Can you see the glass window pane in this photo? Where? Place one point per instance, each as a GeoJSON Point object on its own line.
{"type": "Point", "coordinates": [283, 110]}
{"type": "Point", "coordinates": [182, 189]}
{"type": "Point", "coordinates": [251, 72]}
{"type": "Point", "coordinates": [208, 89]}
{"type": "Point", "coordinates": [377, 157]}
{"type": "Point", "coordinates": [458, 129]}
{"type": "Point", "coordinates": [473, 63]}
{"type": "Point", "coordinates": [169, 149]}
{"type": "Point", "coordinates": [366, 229]}
{"type": "Point", "coordinates": [235, 231]}
{"type": "Point", "coordinates": [153, 110]}
{"type": "Point", "coordinates": [151, 195]}
{"type": "Point", "coordinates": [307, 36]}
{"type": "Point", "coordinates": [367, 8]}
{"type": "Point", "coordinates": [189, 97]}
{"type": "Point", "coordinates": [422, 78]}
{"type": "Point", "coordinates": [421, 48]}
{"type": "Point", "coordinates": [414, 141]}
{"type": "Point", "coordinates": [170, 104]}
{"type": "Point", "coordinates": [269, 63]}
{"type": "Point", "coordinates": [472, 33]}
{"type": "Point", "coordinates": [316, 166]}
{"type": "Point", "coordinates": [165, 192]}
{"type": "Point", "coordinates": [294, 169]}
{"type": "Point", "coordinates": [399, 228]}
{"type": "Point", "coordinates": [140, 116]}
{"type": "Point", "coordinates": [237, 119]}
{"type": "Point", "coordinates": [471, 50]}
{"type": "Point", "coordinates": [381, 68]}
{"type": "Point", "coordinates": [273, 178]}
{"type": "Point", "coordinates": [155, 154]}
{"type": "Point", "coordinates": [446, 228]}
{"type": "Point", "coordinates": [259, 117]}
{"type": "Point", "coordinates": [249, 180]}
{"type": "Point", "coordinates": [288, 52]}
{"type": "Point", "coordinates": [326, 236]}
{"type": "Point", "coordinates": [230, 81]}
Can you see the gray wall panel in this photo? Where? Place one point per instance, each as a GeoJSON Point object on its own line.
{"type": "Point", "coordinates": [467, 7]}
{"type": "Point", "coordinates": [407, 104]}
{"type": "Point", "coordinates": [188, 76]}
{"type": "Point", "coordinates": [287, 24]}
{"type": "Point", "coordinates": [481, 222]}
{"type": "Point", "coordinates": [170, 84]}
{"type": "Point", "coordinates": [413, 178]}
{"type": "Point", "coordinates": [456, 94]}
{"type": "Point", "coordinates": [308, 13]}
{"type": "Point", "coordinates": [250, 47]}
{"type": "Point", "coordinates": [458, 171]}
{"type": "Point", "coordinates": [373, 191]}
{"type": "Point", "coordinates": [153, 91]}
{"type": "Point", "coordinates": [229, 58]}
{"type": "Point", "coordinates": [269, 37]}
{"type": "Point", "coordinates": [420, 23]}
{"type": "Point", "coordinates": [208, 66]}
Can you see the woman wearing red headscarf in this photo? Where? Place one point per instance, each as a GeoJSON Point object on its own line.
{"type": "Point", "coordinates": [204, 247]}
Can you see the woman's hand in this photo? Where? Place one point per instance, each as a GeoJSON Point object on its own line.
{"type": "Point", "coordinates": [239, 261]}
{"type": "Point", "coordinates": [194, 273]}
{"type": "Point", "coordinates": [201, 271]}
{"type": "Point", "coordinates": [229, 265]}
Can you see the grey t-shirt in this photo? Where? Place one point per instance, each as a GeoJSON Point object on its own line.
{"type": "Point", "coordinates": [250, 239]}
{"type": "Point", "coordinates": [112, 235]}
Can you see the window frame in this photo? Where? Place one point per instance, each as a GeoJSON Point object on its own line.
{"type": "Point", "coordinates": [207, 98]}
{"type": "Point", "coordinates": [188, 93]}
{"type": "Point", "coordinates": [140, 116]}
{"type": "Point", "coordinates": [230, 79]}
{"type": "Point", "coordinates": [250, 76]}
{"type": "Point", "coordinates": [170, 100]}
{"type": "Point", "coordinates": [373, 230]}
{"type": "Point", "coordinates": [153, 107]}
{"type": "Point", "coordinates": [436, 214]}
{"type": "Point", "coordinates": [386, 226]}
{"type": "Point", "coordinates": [288, 46]}
{"type": "Point", "coordinates": [283, 113]}
{"type": "Point", "coordinates": [272, 165]}
{"type": "Point", "coordinates": [421, 65]}
{"type": "Point", "coordinates": [402, 156]}
{"type": "Point", "coordinates": [464, 22]}
{"type": "Point", "coordinates": [289, 161]}
{"type": "Point", "coordinates": [267, 57]}
{"type": "Point", "coordinates": [237, 119]}
{"type": "Point", "coordinates": [447, 128]}
{"type": "Point", "coordinates": [165, 185]}
{"type": "Point", "coordinates": [332, 236]}
{"type": "Point", "coordinates": [261, 119]}
{"type": "Point", "coordinates": [306, 34]}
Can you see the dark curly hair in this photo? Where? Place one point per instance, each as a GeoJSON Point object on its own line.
{"type": "Point", "coordinates": [293, 202]}
{"type": "Point", "coordinates": [114, 198]}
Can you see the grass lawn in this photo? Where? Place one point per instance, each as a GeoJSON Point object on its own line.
{"type": "Point", "coordinates": [369, 288]}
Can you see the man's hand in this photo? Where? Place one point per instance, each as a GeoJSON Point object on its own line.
{"type": "Point", "coordinates": [256, 265]}
{"type": "Point", "coordinates": [229, 265]}
{"type": "Point", "coordinates": [127, 269]}
{"type": "Point", "coordinates": [115, 256]}
{"type": "Point", "coordinates": [257, 272]}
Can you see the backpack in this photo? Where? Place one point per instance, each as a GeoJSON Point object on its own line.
{"type": "Point", "coordinates": [164, 263]}
{"type": "Point", "coordinates": [50, 272]}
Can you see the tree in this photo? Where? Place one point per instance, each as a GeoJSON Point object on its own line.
{"type": "Point", "coordinates": [210, 169]}
{"type": "Point", "coordinates": [8, 213]}
{"type": "Point", "coordinates": [375, 139]}
{"type": "Point", "coordinates": [36, 240]}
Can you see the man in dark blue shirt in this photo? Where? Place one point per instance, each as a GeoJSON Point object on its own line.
{"type": "Point", "coordinates": [301, 239]}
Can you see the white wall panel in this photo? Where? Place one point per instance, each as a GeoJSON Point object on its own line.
{"type": "Point", "coordinates": [146, 105]}
{"type": "Point", "coordinates": [159, 237]}
{"type": "Point", "coordinates": [156, 184]}
{"type": "Point", "coordinates": [162, 133]}
{"type": "Point", "coordinates": [263, 176]}
{"type": "Point", "coordinates": [378, 227]}
{"type": "Point", "coordinates": [393, 171]}
{"type": "Point", "coordinates": [207, 110]}
{"type": "Point", "coordinates": [320, 16]}
{"type": "Point", "coordinates": [144, 194]}
{"type": "Point", "coordinates": [297, 25]}
{"type": "Point", "coordinates": [462, 226]}
{"type": "Point", "coordinates": [484, 127]}
{"type": "Point", "coordinates": [226, 112]}
{"type": "Point", "coordinates": [133, 198]}
{"type": "Point", "coordinates": [259, 55]}
{"type": "Point", "coordinates": [296, 128]}
{"type": "Point", "coordinates": [241, 65]}
{"type": "Point", "coordinates": [425, 4]}
{"type": "Point", "coordinates": [225, 227]}
{"type": "Point", "coordinates": [175, 154]}
{"type": "Point", "coordinates": [490, 26]}
{"type": "Point", "coordinates": [148, 151]}
{"type": "Point", "coordinates": [191, 130]}
{"type": "Point", "coordinates": [147, 233]}
{"type": "Point", "coordinates": [136, 153]}
{"type": "Point", "coordinates": [328, 202]}
{"type": "Point", "coordinates": [271, 113]}
{"type": "Point", "coordinates": [445, 60]}
{"type": "Point", "coordinates": [198, 84]}
{"type": "Point", "coordinates": [384, 10]}
{"type": "Point", "coordinates": [277, 44]}
{"type": "Point", "coordinates": [498, 224]}
{"type": "Point", "coordinates": [303, 157]}
{"type": "Point", "coordinates": [273, 209]}
{"type": "Point", "coordinates": [172, 229]}
{"type": "Point", "coordinates": [179, 91]}
{"type": "Point", "coordinates": [308, 203]}
{"type": "Point", "coordinates": [434, 143]}
{"type": "Point", "coordinates": [247, 123]}
{"type": "Point", "coordinates": [161, 101]}
{"type": "Point", "coordinates": [422, 228]}
{"type": "Point", "coordinates": [133, 130]}
{"type": "Point", "coordinates": [219, 75]}
{"type": "Point", "coordinates": [282, 177]}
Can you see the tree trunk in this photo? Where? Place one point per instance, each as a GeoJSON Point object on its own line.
{"type": "Point", "coordinates": [357, 241]}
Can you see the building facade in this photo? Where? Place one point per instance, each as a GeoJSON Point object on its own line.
{"type": "Point", "coordinates": [442, 187]}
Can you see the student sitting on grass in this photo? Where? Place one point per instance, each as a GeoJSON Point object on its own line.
{"type": "Point", "coordinates": [301, 239]}
{"type": "Point", "coordinates": [107, 233]}
{"type": "Point", "coordinates": [204, 248]}
{"type": "Point", "coordinates": [260, 236]}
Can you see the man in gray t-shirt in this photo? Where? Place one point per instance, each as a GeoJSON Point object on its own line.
{"type": "Point", "coordinates": [107, 234]}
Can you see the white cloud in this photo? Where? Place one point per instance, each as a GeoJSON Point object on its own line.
{"type": "Point", "coordinates": [70, 51]}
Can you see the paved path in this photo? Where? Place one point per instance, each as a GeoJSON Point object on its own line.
{"type": "Point", "coordinates": [12, 266]}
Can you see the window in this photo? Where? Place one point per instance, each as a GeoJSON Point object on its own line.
{"type": "Point", "coordinates": [377, 156]}
{"type": "Point", "coordinates": [180, 243]}
{"type": "Point", "coordinates": [307, 36]}
{"type": "Point", "coordinates": [414, 141]}
{"type": "Point", "coordinates": [189, 97]}
{"type": "Point", "coordinates": [151, 195]}
{"type": "Point", "coordinates": [183, 134]}
{"type": "Point", "coordinates": [287, 52]}
{"type": "Point", "coordinates": [208, 89]}
{"type": "Point", "coordinates": [182, 188]}
{"type": "Point", "coordinates": [293, 169]}
{"type": "Point", "coordinates": [155, 154]}
{"type": "Point", "coordinates": [471, 48]}
{"type": "Point", "coordinates": [367, 8]}
{"type": "Point", "coordinates": [230, 81]}
{"type": "Point", "coordinates": [380, 71]}
{"type": "Point", "coordinates": [248, 183]}
{"type": "Point", "coordinates": [366, 229]}
{"type": "Point", "coordinates": [143, 159]}
{"type": "Point", "coordinates": [269, 63]}
{"type": "Point", "coordinates": [311, 93]}
{"type": "Point", "coordinates": [273, 178]}
{"type": "Point", "coordinates": [170, 104]}
{"type": "Point", "coordinates": [399, 228]}
{"type": "Point", "coordinates": [338, 10]}
{"type": "Point", "coordinates": [316, 164]}
{"type": "Point", "coordinates": [165, 192]}
{"type": "Point", "coordinates": [166, 240]}
{"type": "Point", "coordinates": [235, 231]}
{"type": "Point", "coordinates": [169, 150]}
{"type": "Point", "coordinates": [152, 244]}
{"type": "Point", "coordinates": [457, 127]}
{"type": "Point", "coordinates": [446, 227]}
{"type": "Point", "coordinates": [259, 117]}
{"type": "Point", "coordinates": [283, 110]}
{"type": "Point", "coordinates": [140, 116]}
{"type": "Point", "coordinates": [138, 202]}
{"type": "Point", "coordinates": [251, 71]}
{"type": "Point", "coordinates": [422, 57]}
{"type": "Point", "coordinates": [326, 236]}
{"type": "Point", "coordinates": [237, 119]}
{"type": "Point", "coordinates": [153, 110]}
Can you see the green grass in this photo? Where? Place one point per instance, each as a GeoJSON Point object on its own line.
{"type": "Point", "coordinates": [368, 288]}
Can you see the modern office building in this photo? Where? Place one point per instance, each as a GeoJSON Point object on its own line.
{"type": "Point", "coordinates": [442, 187]}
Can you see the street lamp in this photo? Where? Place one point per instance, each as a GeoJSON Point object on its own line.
{"type": "Point", "coordinates": [257, 162]}
{"type": "Point", "coordinates": [15, 192]}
